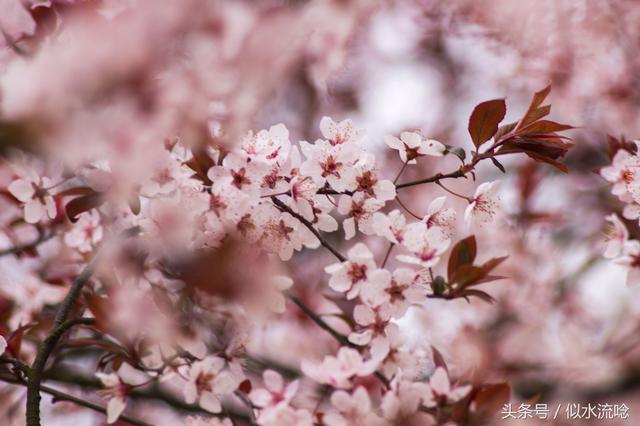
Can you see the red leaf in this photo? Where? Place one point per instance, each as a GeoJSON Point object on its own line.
{"type": "Point", "coordinates": [535, 111]}
{"type": "Point", "coordinates": [484, 120]}
{"type": "Point", "coordinates": [82, 204]}
{"type": "Point", "coordinates": [463, 253]}
{"type": "Point", "coordinates": [477, 293]}
{"type": "Point", "coordinates": [200, 163]}
{"type": "Point", "coordinates": [245, 386]}
{"type": "Point", "coordinates": [491, 398]}
{"type": "Point", "coordinates": [466, 275]}
{"type": "Point", "coordinates": [438, 359]}
{"type": "Point", "coordinates": [79, 190]}
{"type": "Point", "coordinates": [544, 126]}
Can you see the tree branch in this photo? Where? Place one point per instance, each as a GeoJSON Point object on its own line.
{"type": "Point", "coordinates": [60, 325]}
{"type": "Point", "coordinates": [342, 339]}
{"type": "Point", "coordinates": [309, 225]}
{"type": "Point", "coordinates": [62, 396]}
{"type": "Point", "coordinates": [19, 248]}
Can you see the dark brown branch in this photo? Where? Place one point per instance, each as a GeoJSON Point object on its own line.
{"type": "Point", "coordinates": [309, 225]}
{"type": "Point", "coordinates": [60, 325]}
{"type": "Point", "coordinates": [343, 340]}
{"type": "Point", "coordinates": [319, 321]}
{"type": "Point", "coordinates": [62, 396]}
{"type": "Point", "coordinates": [19, 248]}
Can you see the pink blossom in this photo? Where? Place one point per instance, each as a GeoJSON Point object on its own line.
{"type": "Point", "coordinates": [438, 215]}
{"type": "Point", "coordinates": [352, 409]}
{"type": "Point", "coordinates": [270, 146]}
{"type": "Point", "coordinates": [116, 391]}
{"type": "Point", "coordinates": [274, 392]}
{"type": "Point", "coordinates": [413, 145]}
{"type": "Point", "coordinates": [624, 174]}
{"type": "Point", "coordinates": [371, 329]}
{"type": "Point", "coordinates": [616, 236]}
{"type": "Point", "coordinates": [207, 382]}
{"type": "Point", "coordinates": [441, 390]}
{"type": "Point", "coordinates": [284, 415]}
{"type": "Point", "coordinates": [391, 226]}
{"type": "Point", "coordinates": [276, 298]}
{"type": "Point", "coordinates": [368, 182]}
{"type": "Point", "coordinates": [425, 244]}
{"type": "Point", "coordinates": [34, 192]}
{"type": "Point", "coordinates": [329, 164]}
{"type": "Point", "coordinates": [360, 210]}
{"type": "Point", "coordinates": [340, 133]}
{"type": "Point", "coordinates": [399, 290]}
{"type": "Point", "coordinates": [338, 371]}
{"type": "Point", "coordinates": [349, 276]}
{"type": "Point", "coordinates": [630, 259]}
{"type": "Point", "coordinates": [86, 233]}
{"type": "Point", "coordinates": [402, 401]}
{"type": "Point", "coordinates": [484, 205]}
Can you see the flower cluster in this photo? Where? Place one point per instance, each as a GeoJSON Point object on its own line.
{"type": "Point", "coordinates": [204, 242]}
{"type": "Point", "coordinates": [624, 176]}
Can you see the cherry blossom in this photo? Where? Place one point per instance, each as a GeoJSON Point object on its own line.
{"type": "Point", "coordinates": [331, 164]}
{"type": "Point", "coordinates": [270, 146]}
{"type": "Point", "coordinates": [277, 300]}
{"type": "Point", "coordinates": [275, 390]}
{"type": "Point", "coordinates": [349, 276]}
{"type": "Point", "coordinates": [202, 421]}
{"type": "Point", "coordinates": [33, 191]}
{"type": "Point", "coordinates": [391, 226]}
{"type": "Point", "coordinates": [285, 415]}
{"type": "Point", "coordinates": [340, 133]}
{"type": "Point", "coordinates": [372, 327]}
{"type": "Point", "coordinates": [630, 259]}
{"type": "Point", "coordinates": [207, 382]}
{"type": "Point", "coordinates": [623, 173]}
{"type": "Point", "coordinates": [116, 391]}
{"type": "Point", "coordinates": [399, 290]}
{"type": "Point", "coordinates": [360, 210]}
{"type": "Point", "coordinates": [484, 205]}
{"type": "Point", "coordinates": [353, 409]}
{"type": "Point", "coordinates": [368, 182]}
{"type": "Point", "coordinates": [158, 232]}
{"type": "Point", "coordinates": [413, 145]}
{"type": "Point", "coordinates": [616, 236]}
{"type": "Point", "coordinates": [401, 403]}
{"type": "Point", "coordinates": [338, 370]}
{"type": "Point", "coordinates": [425, 244]}
{"type": "Point", "coordinates": [441, 390]}
{"type": "Point", "coordinates": [282, 233]}
{"type": "Point", "coordinates": [438, 215]}
{"type": "Point", "coordinates": [86, 233]}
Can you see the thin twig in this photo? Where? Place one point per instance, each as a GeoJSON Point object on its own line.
{"type": "Point", "coordinates": [60, 325]}
{"type": "Point", "coordinates": [404, 166]}
{"type": "Point", "coordinates": [62, 396]}
{"type": "Point", "coordinates": [342, 339]}
{"type": "Point", "coordinates": [309, 225]}
{"type": "Point", "coordinates": [318, 320]}
{"type": "Point", "coordinates": [19, 248]}
{"type": "Point", "coordinates": [386, 256]}
{"type": "Point", "coordinates": [464, 197]}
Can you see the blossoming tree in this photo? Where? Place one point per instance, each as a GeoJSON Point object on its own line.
{"type": "Point", "coordinates": [161, 257]}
